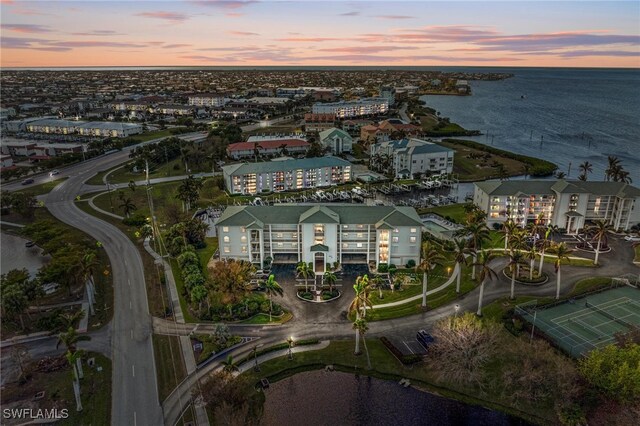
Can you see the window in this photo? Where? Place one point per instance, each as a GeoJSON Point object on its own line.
{"type": "Point", "coordinates": [293, 244]}
{"type": "Point", "coordinates": [243, 229]}
{"type": "Point", "coordinates": [225, 229]}
{"type": "Point", "coordinates": [360, 226]}
{"type": "Point", "coordinates": [360, 235]}
{"type": "Point", "coordinates": [243, 249]}
{"type": "Point", "coordinates": [279, 235]}
{"type": "Point", "coordinates": [345, 245]}
{"type": "Point", "coordinates": [359, 245]}
{"type": "Point", "coordinates": [396, 230]}
{"type": "Point", "coordinates": [227, 249]}
{"type": "Point", "coordinates": [412, 239]}
{"type": "Point", "coordinates": [226, 239]}
{"type": "Point", "coordinates": [294, 235]}
{"type": "Point", "coordinates": [414, 230]}
{"type": "Point", "coordinates": [345, 235]}
{"type": "Point", "coordinates": [394, 239]}
{"type": "Point", "coordinates": [279, 244]}
{"type": "Point", "coordinates": [345, 226]}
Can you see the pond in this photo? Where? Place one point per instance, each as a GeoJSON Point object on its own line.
{"type": "Point", "coordinates": [341, 399]}
{"type": "Point", "coordinates": [14, 255]}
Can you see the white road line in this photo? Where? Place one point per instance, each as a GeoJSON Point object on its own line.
{"type": "Point", "coordinates": [131, 334]}
{"type": "Point", "coordinates": [133, 370]}
{"type": "Point", "coordinates": [135, 420]}
{"type": "Point", "coordinates": [130, 306]}
{"type": "Point", "coordinates": [410, 350]}
{"type": "Point", "coordinates": [129, 281]}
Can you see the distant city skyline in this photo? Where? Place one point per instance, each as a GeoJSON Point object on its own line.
{"type": "Point", "coordinates": [307, 33]}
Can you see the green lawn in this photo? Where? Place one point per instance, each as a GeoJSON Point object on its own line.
{"type": "Point", "coordinates": [636, 249]}
{"type": "Point", "coordinates": [169, 365]}
{"type": "Point", "coordinates": [144, 137]}
{"type": "Point", "coordinates": [587, 284]}
{"type": "Point", "coordinates": [436, 300]}
{"type": "Point", "coordinates": [95, 389]}
{"type": "Point", "coordinates": [385, 366]}
{"type": "Point", "coordinates": [43, 188]}
{"type": "Point", "coordinates": [174, 167]}
{"type": "Point", "coordinates": [264, 319]}
{"type": "Point", "coordinates": [454, 211]}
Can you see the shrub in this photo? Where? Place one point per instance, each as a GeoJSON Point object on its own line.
{"type": "Point", "coordinates": [136, 219]}
{"type": "Point", "coordinates": [383, 268]}
{"type": "Point", "coordinates": [411, 264]}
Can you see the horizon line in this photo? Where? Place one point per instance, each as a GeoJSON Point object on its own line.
{"type": "Point", "coordinates": [27, 68]}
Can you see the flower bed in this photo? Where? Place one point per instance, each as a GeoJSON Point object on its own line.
{"type": "Point", "coordinates": [524, 279]}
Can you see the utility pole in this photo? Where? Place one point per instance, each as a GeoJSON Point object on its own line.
{"type": "Point", "coordinates": [109, 192]}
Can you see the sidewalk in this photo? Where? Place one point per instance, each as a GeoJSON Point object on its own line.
{"type": "Point", "coordinates": [276, 354]}
{"type": "Point", "coordinates": [451, 279]}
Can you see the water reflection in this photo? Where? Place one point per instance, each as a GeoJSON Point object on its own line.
{"type": "Point", "coordinates": [14, 255]}
{"type": "Point", "coordinates": [337, 399]}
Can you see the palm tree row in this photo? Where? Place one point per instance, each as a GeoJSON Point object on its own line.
{"type": "Point", "coordinates": [615, 172]}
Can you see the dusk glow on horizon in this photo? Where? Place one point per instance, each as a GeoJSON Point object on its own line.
{"type": "Point", "coordinates": [306, 33]}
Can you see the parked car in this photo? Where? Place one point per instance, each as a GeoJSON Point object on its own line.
{"type": "Point", "coordinates": [424, 338]}
{"type": "Point", "coordinates": [632, 238]}
{"type": "Point", "coordinates": [54, 172]}
{"type": "Point", "coordinates": [27, 181]}
{"type": "Point", "coordinates": [29, 244]}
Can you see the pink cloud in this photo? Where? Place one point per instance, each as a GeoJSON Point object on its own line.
{"type": "Point", "coordinates": [225, 4]}
{"type": "Point", "coordinates": [26, 28]}
{"type": "Point", "coordinates": [307, 39]}
{"type": "Point", "coordinates": [366, 49]}
{"type": "Point", "coordinates": [242, 33]}
{"type": "Point", "coordinates": [234, 14]}
{"type": "Point", "coordinates": [394, 17]}
{"type": "Point", "coordinates": [175, 46]}
{"type": "Point", "coordinates": [174, 17]}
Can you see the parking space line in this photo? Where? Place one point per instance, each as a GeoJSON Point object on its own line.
{"type": "Point", "coordinates": [408, 347]}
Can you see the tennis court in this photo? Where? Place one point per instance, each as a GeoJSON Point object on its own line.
{"type": "Point", "coordinates": [583, 324]}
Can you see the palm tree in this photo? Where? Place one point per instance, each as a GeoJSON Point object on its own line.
{"type": "Point", "coordinates": [460, 252]}
{"type": "Point", "coordinates": [515, 258]}
{"type": "Point", "coordinates": [562, 252]}
{"type": "Point", "coordinates": [561, 175]}
{"type": "Point", "coordinates": [360, 303]}
{"type": "Point", "coordinates": [70, 338]}
{"type": "Point", "coordinates": [330, 278]}
{"type": "Point", "coordinates": [360, 325]}
{"type": "Point", "coordinates": [600, 229]}
{"type": "Point", "coordinates": [272, 288]}
{"type": "Point", "coordinates": [585, 168]}
{"type": "Point", "coordinates": [531, 255]}
{"type": "Point", "coordinates": [229, 365]}
{"type": "Point", "coordinates": [88, 262]}
{"type": "Point", "coordinates": [485, 273]}
{"type": "Point", "coordinates": [550, 231]}
{"type": "Point", "coordinates": [127, 206]}
{"type": "Point", "coordinates": [479, 232]}
{"type": "Point", "coordinates": [612, 168]}
{"type": "Point", "coordinates": [69, 319]}
{"type": "Point", "coordinates": [429, 259]}
{"type": "Point", "coordinates": [305, 270]}
{"type": "Point", "coordinates": [377, 282]}
{"type": "Point", "coordinates": [509, 229]}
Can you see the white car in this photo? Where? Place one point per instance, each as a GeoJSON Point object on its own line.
{"type": "Point", "coordinates": [54, 172]}
{"type": "Point", "coordinates": [632, 238]}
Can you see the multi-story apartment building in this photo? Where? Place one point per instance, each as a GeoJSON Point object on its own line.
{"type": "Point", "coordinates": [215, 100]}
{"type": "Point", "coordinates": [319, 122]}
{"type": "Point", "coordinates": [174, 110]}
{"type": "Point", "coordinates": [268, 147]}
{"type": "Point", "coordinates": [286, 175]}
{"type": "Point", "coordinates": [566, 204]}
{"type": "Point", "coordinates": [345, 233]}
{"type": "Point", "coordinates": [109, 129]}
{"type": "Point", "coordinates": [337, 140]}
{"type": "Point", "coordinates": [388, 93]}
{"type": "Point", "coordinates": [413, 156]}
{"type": "Point", "coordinates": [355, 108]}
{"type": "Point", "coordinates": [52, 126]}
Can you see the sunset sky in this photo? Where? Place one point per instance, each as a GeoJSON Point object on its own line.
{"type": "Point", "coordinates": [200, 33]}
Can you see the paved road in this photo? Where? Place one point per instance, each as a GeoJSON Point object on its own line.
{"type": "Point", "coordinates": [134, 385]}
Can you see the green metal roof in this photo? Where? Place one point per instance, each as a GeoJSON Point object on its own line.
{"type": "Point", "coordinates": [284, 165]}
{"type": "Point", "coordinates": [334, 213]}
{"type": "Point", "coordinates": [319, 247]}
{"type": "Point", "coordinates": [514, 187]}
{"type": "Point", "coordinates": [330, 132]}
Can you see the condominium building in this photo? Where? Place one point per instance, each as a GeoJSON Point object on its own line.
{"type": "Point", "coordinates": [268, 147]}
{"type": "Point", "coordinates": [109, 129]}
{"type": "Point", "coordinates": [409, 157]}
{"type": "Point", "coordinates": [319, 122]}
{"type": "Point", "coordinates": [286, 175]}
{"type": "Point", "coordinates": [566, 204]}
{"type": "Point", "coordinates": [345, 233]}
{"type": "Point", "coordinates": [355, 108]}
{"type": "Point", "coordinates": [174, 110]}
{"type": "Point", "coordinates": [215, 100]}
{"type": "Point", "coordinates": [337, 140]}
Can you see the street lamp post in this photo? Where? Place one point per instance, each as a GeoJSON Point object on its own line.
{"type": "Point", "coordinates": [456, 309]}
{"type": "Point", "coordinates": [290, 342]}
{"type": "Point", "coordinates": [256, 366]}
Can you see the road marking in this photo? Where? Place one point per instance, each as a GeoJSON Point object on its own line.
{"type": "Point", "coordinates": [129, 282]}
{"type": "Point", "coordinates": [133, 370]}
{"type": "Point", "coordinates": [410, 350]}
{"type": "Point", "coordinates": [131, 334]}
{"type": "Point", "coordinates": [135, 421]}
{"type": "Point", "coordinates": [130, 306]}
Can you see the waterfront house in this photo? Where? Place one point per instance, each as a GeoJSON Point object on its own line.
{"type": "Point", "coordinates": [337, 140]}
{"type": "Point", "coordinates": [410, 157]}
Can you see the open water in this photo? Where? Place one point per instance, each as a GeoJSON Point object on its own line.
{"type": "Point", "coordinates": [562, 115]}
{"type": "Point", "coordinates": [342, 399]}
